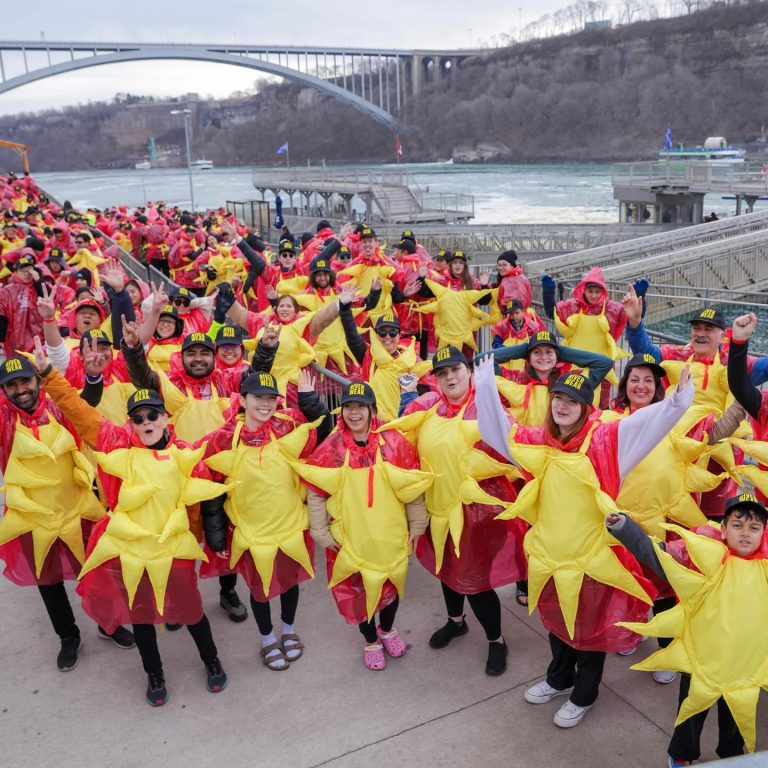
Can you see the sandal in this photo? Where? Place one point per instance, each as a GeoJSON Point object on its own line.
{"type": "Point", "coordinates": [393, 644]}
{"type": "Point", "coordinates": [374, 657]}
{"type": "Point", "coordinates": [521, 597]}
{"type": "Point", "coordinates": [272, 655]}
{"type": "Point", "coordinates": [293, 648]}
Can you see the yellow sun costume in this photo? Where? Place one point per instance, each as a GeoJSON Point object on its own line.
{"type": "Point", "coordinates": [331, 343]}
{"type": "Point", "coordinates": [149, 526]}
{"type": "Point", "coordinates": [368, 519]}
{"type": "Point", "coordinates": [363, 275]}
{"type": "Point", "coordinates": [592, 332]}
{"type": "Point", "coordinates": [716, 629]}
{"type": "Point", "coordinates": [266, 504]}
{"type": "Point", "coordinates": [226, 266]}
{"type": "Point", "coordinates": [294, 352]}
{"type": "Point", "coordinates": [446, 448]}
{"type": "Point", "coordinates": [48, 491]}
{"type": "Point", "coordinates": [84, 259]}
{"type": "Point", "coordinates": [384, 371]}
{"type": "Point", "coordinates": [456, 316]}
{"type": "Point", "coordinates": [567, 539]}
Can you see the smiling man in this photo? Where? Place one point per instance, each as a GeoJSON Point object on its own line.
{"type": "Point", "coordinates": [44, 526]}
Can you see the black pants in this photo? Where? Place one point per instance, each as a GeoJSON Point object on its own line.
{"type": "Point", "coordinates": [289, 601]}
{"type": "Point", "coordinates": [59, 610]}
{"type": "Point", "coordinates": [386, 620]}
{"type": "Point", "coordinates": [685, 739]}
{"type": "Point", "coordinates": [581, 669]}
{"type": "Point", "coordinates": [485, 606]}
{"type": "Point", "coordinates": [227, 582]}
{"type": "Point", "coordinates": [146, 641]}
{"type": "Point", "coordinates": [659, 606]}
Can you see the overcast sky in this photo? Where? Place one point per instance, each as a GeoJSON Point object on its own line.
{"type": "Point", "coordinates": [387, 24]}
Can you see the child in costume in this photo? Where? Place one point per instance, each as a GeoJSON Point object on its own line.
{"type": "Point", "coordinates": [720, 575]}
{"type": "Point", "coordinates": [269, 536]}
{"type": "Point", "coordinates": [366, 506]}
{"type": "Point", "coordinates": [580, 583]}
{"type": "Point", "coordinates": [467, 549]}
{"type": "Point", "coordinates": [140, 562]}
{"type": "Point", "coordinates": [592, 321]}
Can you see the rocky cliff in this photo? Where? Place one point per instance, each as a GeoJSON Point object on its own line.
{"type": "Point", "coordinates": [600, 95]}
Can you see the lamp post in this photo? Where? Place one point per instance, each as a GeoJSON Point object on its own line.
{"type": "Point", "coordinates": [187, 113]}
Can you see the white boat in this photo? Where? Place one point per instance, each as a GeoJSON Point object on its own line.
{"type": "Point", "coordinates": [202, 164]}
{"type": "Point", "coordinates": [143, 166]}
{"type": "Point", "coordinates": [714, 152]}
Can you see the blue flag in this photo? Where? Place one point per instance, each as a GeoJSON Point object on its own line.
{"type": "Point", "coordinates": [282, 150]}
{"type": "Point", "coordinates": [667, 138]}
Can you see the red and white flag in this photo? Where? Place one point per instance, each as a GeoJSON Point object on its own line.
{"type": "Point", "coordinates": [398, 147]}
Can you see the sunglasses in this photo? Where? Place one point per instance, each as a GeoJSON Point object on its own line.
{"type": "Point", "coordinates": [181, 302]}
{"type": "Point", "coordinates": [140, 418]}
{"type": "Point", "coordinates": [344, 256]}
{"type": "Point", "coordinates": [392, 333]}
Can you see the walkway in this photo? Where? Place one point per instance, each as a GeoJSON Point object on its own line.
{"type": "Point", "coordinates": [429, 709]}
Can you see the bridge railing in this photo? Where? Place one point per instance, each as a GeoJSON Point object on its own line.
{"type": "Point", "coordinates": [697, 176]}
{"type": "Point", "coordinates": [658, 243]}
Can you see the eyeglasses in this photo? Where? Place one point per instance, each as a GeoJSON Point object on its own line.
{"type": "Point", "coordinates": [392, 333]}
{"type": "Point", "coordinates": [140, 418]}
{"type": "Point", "coordinates": [181, 302]}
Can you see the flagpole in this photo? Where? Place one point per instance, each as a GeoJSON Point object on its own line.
{"type": "Point", "coordinates": [287, 156]}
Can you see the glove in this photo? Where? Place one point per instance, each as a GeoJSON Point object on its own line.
{"type": "Point", "coordinates": [214, 523]}
{"type": "Point", "coordinates": [212, 273]}
{"type": "Point", "coordinates": [224, 300]}
{"type": "Point", "coordinates": [641, 286]}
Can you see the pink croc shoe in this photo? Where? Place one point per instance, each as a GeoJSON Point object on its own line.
{"type": "Point", "coordinates": [374, 658]}
{"type": "Point", "coordinates": [393, 644]}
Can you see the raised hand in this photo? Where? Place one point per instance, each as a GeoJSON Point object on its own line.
{"type": "Point", "coordinates": [346, 228]}
{"type": "Point", "coordinates": [633, 306]}
{"type": "Point", "coordinates": [306, 381]}
{"type": "Point", "coordinates": [229, 229]}
{"type": "Point", "coordinates": [272, 293]}
{"type": "Point", "coordinates": [112, 274]}
{"type": "Point", "coordinates": [743, 326]}
{"type": "Point", "coordinates": [376, 284]}
{"type": "Point", "coordinates": [46, 304]}
{"type": "Point", "coordinates": [159, 297]}
{"type": "Point", "coordinates": [349, 294]}
{"type": "Point", "coordinates": [94, 361]}
{"type": "Point", "coordinates": [685, 377]}
{"type": "Point", "coordinates": [485, 277]}
{"type": "Point", "coordinates": [130, 332]}
{"type": "Point", "coordinates": [41, 358]}
{"type": "Point", "coordinates": [271, 337]}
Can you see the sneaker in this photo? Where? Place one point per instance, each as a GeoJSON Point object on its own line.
{"type": "Point", "coordinates": [67, 658]}
{"type": "Point", "coordinates": [121, 637]}
{"type": "Point", "coordinates": [157, 693]}
{"type": "Point", "coordinates": [230, 602]}
{"type": "Point", "coordinates": [543, 692]}
{"type": "Point", "coordinates": [672, 763]}
{"type": "Point", "coordinates": [393, 644]}
{"type": "Point", "coordinates": [570, 715]}
{"type": "Point", "coordinates": [628, 652]}
{"type": "Point", "coordinates": [664, 676]}
{"type": "Point", "coordinates": [173, 627]}
{"type": "Point", "coordinates": [217, 677]}
{"type": "Point", "coordinates": [497, 659]}
{"type": "Point", "coordinates": [447, 632]}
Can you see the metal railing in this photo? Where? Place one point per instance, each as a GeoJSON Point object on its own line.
{"type": "Point", "coordinates": [657, 244]}
{"type": "Point", "coordinates": [739, 178]}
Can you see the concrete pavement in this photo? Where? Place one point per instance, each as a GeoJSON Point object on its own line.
{"type": "Point", "coordinates": [427, 709]}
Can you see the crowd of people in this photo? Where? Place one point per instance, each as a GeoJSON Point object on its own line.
{"type": "Point", "coordinates": [155, 433]}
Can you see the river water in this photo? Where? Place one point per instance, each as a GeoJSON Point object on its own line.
{"type": "Point", "coordinates": [516, 194]}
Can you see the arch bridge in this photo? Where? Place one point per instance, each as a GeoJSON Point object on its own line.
{"type": "Point", "coordinates": [376, 81]}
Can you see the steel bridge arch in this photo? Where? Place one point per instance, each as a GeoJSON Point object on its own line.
{"type": "Point", "coordinates": [213, 57]}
